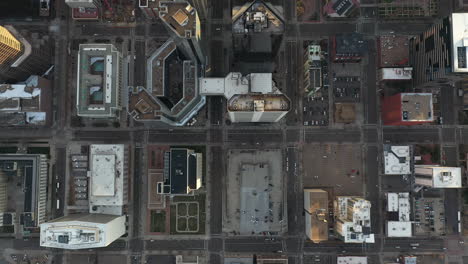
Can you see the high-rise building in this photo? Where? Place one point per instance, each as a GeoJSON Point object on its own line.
{"type": "Point", "coordinates": [82, 231]}
{"type": "Point", "coordinates": [27, 103]}
{"type": "Point", "coordinates": [316, 214]}
{"type": "Point", "coordinates": [99, 81]}
{"type": "Point", "coordinates": [10, 47]}
{"type": "Point", "coordinates": [251, 98]}
{"type": "Point", "coordinates": [182, 172]}
{"type": "Point", "coordinates": [202, 8]}
{"type": "Point", "coordinates": [438, 176]}
{"type": "Point", "coordinates": [440, 53]}
{"type": "Point", "coordinates": [31, 171]}
{"type": "Point", "coordinates": [182, 21]}
{"type": "Point", "coordinates": [407, 109]}
{"type": "Point", "coordinates": [172, 89]}
{"type": "Point", "coordinates": [352, 219]}
{"type": "Point", "coordinates": [22, 54]}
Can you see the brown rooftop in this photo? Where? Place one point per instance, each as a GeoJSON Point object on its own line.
{"type": "Point", "coordinates": [179, 16]}
{"type": "Point", "coordinates": [394, 51]}
{"type": "Point", "coordinates": [318, 212]}
{"type": "Point", "coordinates": [157, 72]}
{"type": "Point", "coordinates": [258, 103]}
{"type": "Point", "coordinates": [143, 107]}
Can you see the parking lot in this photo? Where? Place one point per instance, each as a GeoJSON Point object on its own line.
{"type": "Point", "coordinates": [429, 216]}
{"type": "Point", "coordinates": [346, 88]}
{"type": "Point", "coordinates": [315, 110]}
{"type": "Point", "coordinates": [334, 165]}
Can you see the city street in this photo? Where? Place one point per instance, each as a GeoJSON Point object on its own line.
{"type": "Point", "coordinates": [215, 132]}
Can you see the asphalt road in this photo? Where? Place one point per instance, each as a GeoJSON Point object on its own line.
{"type": "Point", "coordinates": [114, 136]}
{"type": "Point", "coordinates": [216, 180]}
{"type": "Point", "coordinates": [313, 30]}
{"type": "Point", "coordinates": [58, 179]}
{"type": "Point", "coordinates": [293, 194]}
{"type": "Point", "coordinates": [103, 30]}
{"type": "Point", "coordinates": [372, 190]}
{"type": "Point", "coordinates": [339, 247]}
{"type": "Point", "coordinates": [332, 135]}
{"type": "Point", "coordinates": [140, 64]}
{"type": "Point", "coordinates": [177, 136]}
{"type": "Point", "coordinates": [370, 90]}
{"type": "Point", "coordinates": [292, 81]}
{"type": "Point", "coordinates": [409, 245]}
{"type": "Point", "coordinates": [448, 135]}
{"type": "Point", "coordinates": [254, 136]}
{"type": "Point", "coordinates": [217, 109]}
{"type": "Point", "coordinates": [192, 244]}
{"type": "Point", "coordinates": [137, 183]}
{"type": "Point", "coordinates": [254, 245]}
{"type": "Point", "coordinates": [410, 135]}
{"type": "Point", "coordinates": [403, 28]}
{"type": "Point", "coordinates": [293, 135]}
{"type": "Point", "coordinates": [447, 93]}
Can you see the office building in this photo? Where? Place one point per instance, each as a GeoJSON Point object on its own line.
{"type": "Point", "coordinates": [352, 220]}
{"type": "Point", "coordinates": [316, 214]}
{"type": "Point", "coordinates": [10, 47]}
{"type": "Point", "coordinates": [440, 53]}
{"type": "Point", "coordinates": [406, 109]}
{"type": "Point", "coordinates": [348, 48]}
{"type": "Point", "coordinates": [256, 17]}
{"type": "Point", "coordinates": [397, 160]}
{"type": "Point", "coordinates": [108, 179]}
{"type": "Point", "coordinates": [27, 103]}
{"type": "Point", "coordinates": [82, 231]}
{"type": "Point", "coordinates": [22, 54]}
{"type": "Point", "coordinates": [182, 172]}
{"type": "Point", "coordinates": [31, 171]}
{"type": "Point", "coordinates": [341, 8]}
{"type": "Point", "coordinates": [393, 51]}
{"type": "Point", "coordinates": [172, 88]}
{"type": "Point", "coordinates": [313, 69]}
{"type": "Point", "coordinates": [99, 81]}
{"type": "Point", "coordinates": [398, 215]}
{"type": "Point", "coordinates": [251, 98]}
{"type": "Point", "coordinates": [408, 9]}
{"type": "Point", "coordinates": [84, 9]}
{"type": "Point", "coordinates": [182, 21]}
{"type": "Point", "coordinates": [437, 176]}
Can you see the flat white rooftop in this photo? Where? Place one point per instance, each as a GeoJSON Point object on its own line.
{"type": "Point", "coordinates": [103, 174]}
{"type": "Point", "coordinates": [234, 83]}
{"type": "Point", "coordinates": [82, 231]}
{"type": "Point", "coordinates": [396, 73]}
{"type": "Point", "coordinates": [107, 178]}
{"type": "Point", "coordinates": [442, 177]}
{"type": "Point", "coordinates": [399, 229]}
{"type": "Point", "coordinates": [447, 177]}
{"type": "Point", "coordinates": [459, 42]}
{"type": "Point", "coordinates": [397, 160]}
